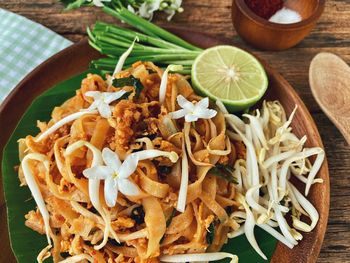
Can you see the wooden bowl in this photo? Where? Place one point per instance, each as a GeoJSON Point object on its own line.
{"type": "Point", "coordinates": [265, 35]}
{"type": "Point", "coordinates": [77, 58]}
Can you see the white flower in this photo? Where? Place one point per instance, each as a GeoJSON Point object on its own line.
{"type": "Point", "coordinates": [193, 112]}
{"type": "Point", "coordinates": [99, 3]}
{"type": "Point", "coordinates": [100, 105]}
{"type": "Point", "coordinates": [147, 9]}
{"type": "Point", "coordinates": [116, 174]}
{"type": "Point", "coordinates": [131, 9]}
{"type": "Point", "coordinates": [174, 7]}
{"type": "Point", "coordinates": [102, 101]}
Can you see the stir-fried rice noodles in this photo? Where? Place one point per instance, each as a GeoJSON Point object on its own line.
{"type": "Point", "coordinates": [119, 175]}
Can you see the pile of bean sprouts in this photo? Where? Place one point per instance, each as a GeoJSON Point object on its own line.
{"type": "Point", "coordinates": [266, 193]}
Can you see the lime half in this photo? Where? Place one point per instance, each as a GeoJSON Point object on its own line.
{"type": "Point", "coordinates": [231, 75]}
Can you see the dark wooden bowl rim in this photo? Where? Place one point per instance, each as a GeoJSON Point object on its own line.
{"type": "Point", "coordinates": [265, 23]}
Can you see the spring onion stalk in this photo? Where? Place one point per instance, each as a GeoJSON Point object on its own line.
{"type": "Point", "coordinates": [147, 27]}
{"type": "Point", "coordinates": [155, 44]}
{"type": "Point", "coordinates": [187, 63]}
{"type": "Point", "coordinates": [182, 72]}
{"type": "Point", "coordinates": [103, 28]}
{"type": "Point", "coordinates": [154, 58]}
{"type": "Point", "coordinates": [130, 21]}
{"type": "Point", "coordinates": [114, 51]}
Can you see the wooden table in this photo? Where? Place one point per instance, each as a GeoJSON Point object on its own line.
{"type": "Point", "coordinates": [214, 17]}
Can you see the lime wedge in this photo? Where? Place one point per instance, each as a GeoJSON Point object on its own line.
{"type": "Point", "coordinates": [231, 75]}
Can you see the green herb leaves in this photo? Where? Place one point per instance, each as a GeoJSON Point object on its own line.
{"type": "Point", "coordinates": [210, 233]}
{"type": "Point", "coordinates": [138, 215]}
{"type": "Point", "coordinates": [129, 81]}
{"type": "Point", "coordinates": [223, 171]}
{"type": "Point", "coordinates": [171, 216]}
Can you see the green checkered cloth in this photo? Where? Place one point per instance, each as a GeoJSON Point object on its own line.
{"type": "Point", "coordinates": [24, 44]}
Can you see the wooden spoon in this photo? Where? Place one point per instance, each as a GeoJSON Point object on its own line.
{"type": "Point", "coordinates": [329, 78]}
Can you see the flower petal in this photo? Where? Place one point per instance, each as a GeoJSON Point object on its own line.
{"type": "Point", "coordinates": [127, 187]}
{"type": "Point", "coordinates": [92, 107]}
{"type": "Point", "coordinates": [131, 9]}
{"type": "Point", "coordinates": [105, 110]}
{"type": "Point", "coordinates": [205, 113]}
{"type": "Point", "coordinates": [128, 167]}
{"type": "Point", "coordinates": [112, 96]}
{"type": "Point", "coordinates": [184, 103]}
{"type": "Point", "coordinates": [202, 104]}
{"type": "Point", "coordinates": [93, 94]}
{"type": "Point", "coordinates": [190, 117]}
{"type": "Point", "coordinates": [111, 192]}
{"type": "Point", "coordinates": [178, 114]}
{"type": "Point", "coordinates": [111, 159]}
{"type": "Point", "coordinates": [98, 3]}
{"type": "Point", "coordinates": [98, 172]}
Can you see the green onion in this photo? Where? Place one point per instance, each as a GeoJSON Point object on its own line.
{"type": "Point", "coordinates": [183, 72]}
{"type": "Point", "coordinates": [117, 14]}
{"type": "Point", "coordinates": [147, 27]}
{"type": "Point", "coordinates": [153, 58]}
{"type": "Point", "coordinates": [131, 35]}
{"type": "Point", "coordinates": [155, 44]}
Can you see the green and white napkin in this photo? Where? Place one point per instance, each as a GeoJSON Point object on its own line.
{"type": "Point", "coordinates": [24, 44]}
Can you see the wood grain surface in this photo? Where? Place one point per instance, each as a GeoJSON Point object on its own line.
{"type": "Point", "coordinates": [332, 34]}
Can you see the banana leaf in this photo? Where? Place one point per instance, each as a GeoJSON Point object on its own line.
{"type": "Point", "coordinates": [26, 244]}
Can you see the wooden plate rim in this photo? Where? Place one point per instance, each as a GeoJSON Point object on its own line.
{"type": "Point", "coordinates": [307, 254]}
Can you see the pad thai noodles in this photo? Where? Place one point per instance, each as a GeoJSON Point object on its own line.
{"type": "Point", "coordinates": [139, 168]}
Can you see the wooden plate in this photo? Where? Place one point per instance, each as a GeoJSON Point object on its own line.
{"type": "Point", "coordinates": [75, 60]}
